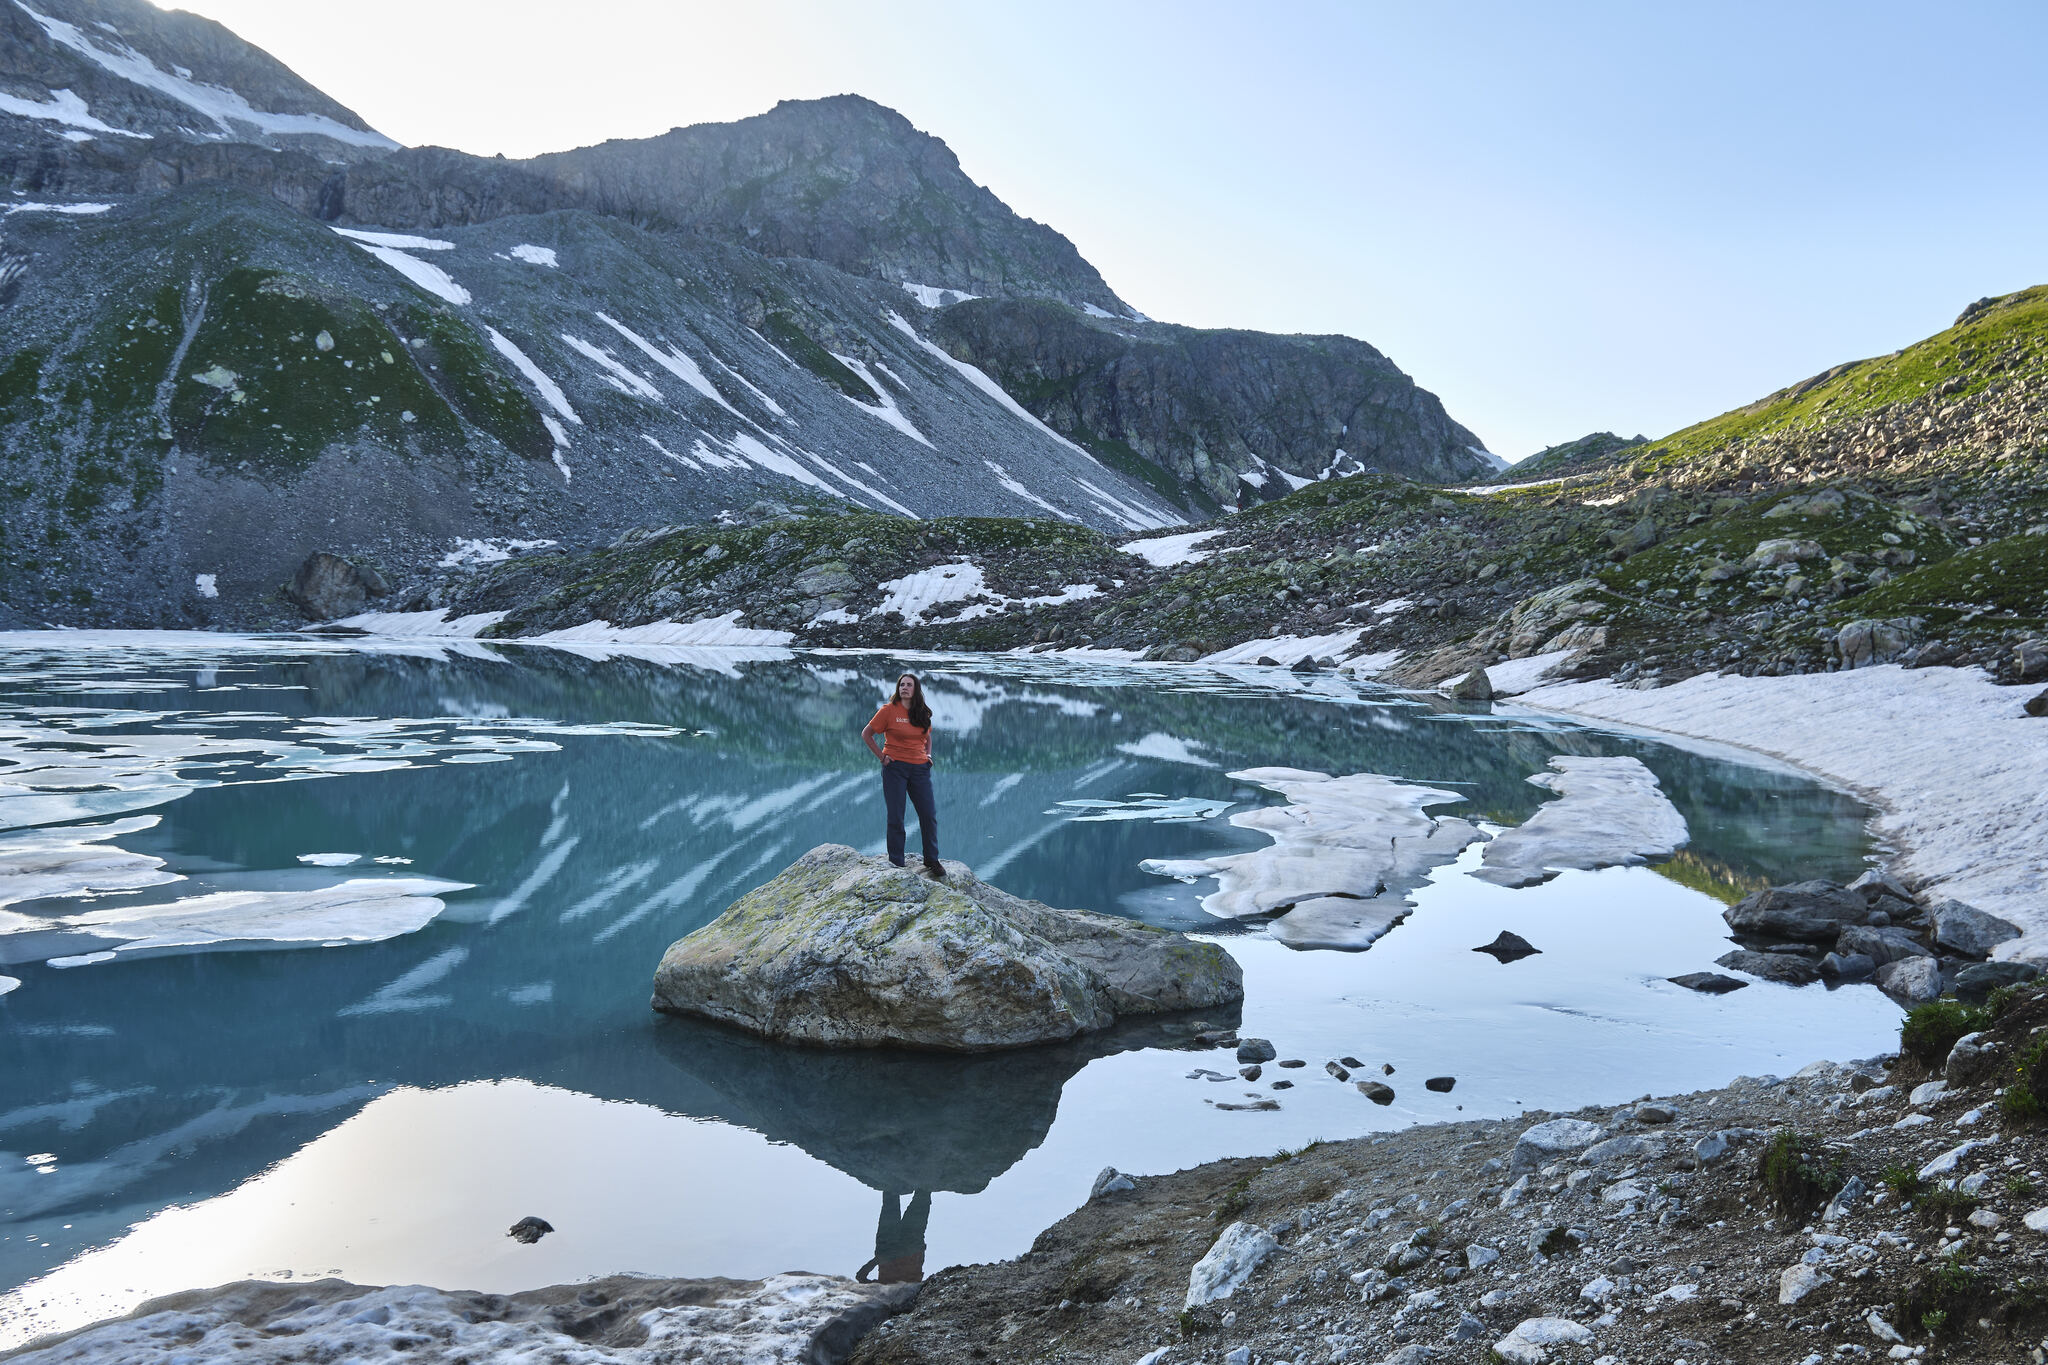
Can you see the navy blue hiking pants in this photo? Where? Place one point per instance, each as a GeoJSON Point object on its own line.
{"type": "Point", "coordinates": [914, 779]}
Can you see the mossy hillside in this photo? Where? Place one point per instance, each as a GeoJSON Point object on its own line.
{"type": "Point", "coordinates": [2003, 583]}
{"type": "Point", "coordinates": [2004, 341]}
{"type": "Point", "coordinates": [280, 370]}
{"type": "Point", "coordinates": [783, 329]}
{"type": "Point", "coordinates": [463, 369]}
{"type": "Point", "coordinates": [781, 573]}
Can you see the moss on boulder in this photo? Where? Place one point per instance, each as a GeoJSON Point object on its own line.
{"type": "Point", "coordinates": [842, 950]}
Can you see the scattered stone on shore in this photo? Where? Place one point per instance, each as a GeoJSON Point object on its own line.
{"type": "Point", "coordinates": [1708, 983]}
{"type": "Point", "coordinates": [1976, 982]}
{"type": "Point", "coordinates": [841, 950]}
{"type": "Point", "coordinates": [1609, 812]}
{"type": "Point", "coordinates": [1967, 929]}
{"type": "Point", "coordinates": [1252, 1072]}
{"type": "Point", "coordinates": [1255, 1050]}
{"type": "Point", "coordinates": [1442, 1085]}
{"type": "Point", "coordinates": [1379, 1092]}
{"type": "Point", "coordinates": [1911, 980]}
{"type": "Point", "coordinates": [1546, 1142]}
{"type": "Point", "coordinates": [1111, 1181]}
{"type": "Point", "coordinates": [1812, 911]}
{"type": "Point", "coordinates": [1881, 944]}
{"type": "Point", "coordinates": [1509, 947]}
{"type": "Point", "coordinates": [529, 1230]}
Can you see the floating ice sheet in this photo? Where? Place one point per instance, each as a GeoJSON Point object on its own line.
{"type": "Point", "coordinates": [1610, 812]}
{"type": "Point", "coordinates": [1346, 852]}
{"type": "Point", "coordinates": [38, 864]}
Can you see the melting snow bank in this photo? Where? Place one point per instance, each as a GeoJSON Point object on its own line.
{"type": "Point", "coordinates": [1163, 552]}
{"type": "Point", "coordinates": [618, 1321]}
{"type": "Point", "coordinates": [433, 624]}
{"type": "Point", "coordinates": [1947, 754]}
{"type": "Point", "coordinates": [1288, 650]}
{"type": "Point", "coordinates": [1610, 813]}
{"type": "Point", "coordinates": [721, 631]}
{"type": "Point", "coordinates": [1346, 852]}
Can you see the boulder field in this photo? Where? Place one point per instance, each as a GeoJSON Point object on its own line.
{"type": "Point", "coordinates": [842, 950]}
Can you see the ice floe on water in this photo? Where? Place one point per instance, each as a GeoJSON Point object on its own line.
{"type": "Point", "coordinates": [330, 859]}
{"type": "Point", "coordinates": [731, 1323]}
{"type": "Point", "coordinates": [1346, 852]}
{"type": "Point", "coordinates": [1152, 806]}
{"type": "Point", "coordinates": [1610, 812]}
{"type": "Point", "coordinates": [360, 910]}
{"type": "Point", "coordinates": [1169, 749]}
{"type": "Point", "coordinates": [36, 864]}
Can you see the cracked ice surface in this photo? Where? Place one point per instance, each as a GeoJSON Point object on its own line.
{"type": "Point", "coordinates": [1346, 852]}
{"type": "Point", "coordinates": [1610, 812]}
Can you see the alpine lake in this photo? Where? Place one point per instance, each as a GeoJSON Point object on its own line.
{"type": "Point", "coordinates": [436, 877]}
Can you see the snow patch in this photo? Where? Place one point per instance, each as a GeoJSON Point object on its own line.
{"type": "Point", "coordinates": [424, 624]}
{"type": "Point", "coordinates": [495, 550]}
{"type": "Point", "coordinates": [1092, 311]}
{"type": "Point", "coordinates": [932, 296]}
{"type": "Point", "coordinates": [888, 411]}
{"type": "Point", "coordinates": [398, 240]}
{"type": "Point", "coordinates": [718, 631]}
{"type": "Point", "coordinates": [549, 389]}
{"type": "Point", "coordinates": [1610, 812]}
{"type": "Point", "coordinates": [206, 584]}
{"type": "Point", "coordinates": [1168, 749]}
{"type": "Point", "coordinates": [63, 107]}
{"type": "Point", "coordinates": [1164, 552]}
{"type": "Point", "coordinates": [675, 361]}
{"type": "Point", "coordinates": [1004, 478]}
{"type": "Point", "coordinates": [536, 255]}
{"type": "Point", "coordinates": [75, 210]}
{"type": "Point", "coordinates": [981, 381]}
{"type": "Point", "coordinates": [1128, 515]}
{"type": "Point", "coordinates": [1288, 650]}
{"type": "Point", "coordinates": [1512, 676]}
{"type": "Point", "coordinates": [425, 274]}
{"type": "Point", "coordinates": [627, 381]}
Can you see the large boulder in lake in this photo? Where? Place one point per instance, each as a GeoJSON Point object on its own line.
{"type": "Point", "coordinates": [846, 951]}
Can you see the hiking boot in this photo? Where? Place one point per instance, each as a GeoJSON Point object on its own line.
{"type": "Point", "coordinates": [935, 869]}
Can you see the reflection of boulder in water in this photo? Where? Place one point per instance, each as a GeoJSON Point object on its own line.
{"type": "Point", "coordinates": [902, 1120]}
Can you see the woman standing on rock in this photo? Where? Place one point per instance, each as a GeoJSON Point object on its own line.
{"type": "Point", "coordinates": [905, 724]}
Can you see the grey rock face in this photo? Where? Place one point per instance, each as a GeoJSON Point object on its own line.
{"type": "Point", "coordinates": [1546, 1142]}
{"type": "Point", "coordinates": [1969, 930]}
{"type": "Point", "coordinates": [1970, 1059]}
{"type": "Point", "coordinates": [1862, 643]}
{"type": "Point", "coordinates": [1474, 686]}
{"type": "Point", "coordinates": [1216, 409]}
{"type": "Point", "coordinates": [1814, 911]}
{"type": "Point", "coordinates": [327, 586]}
{"type": "Point", "coordinates": [845, 951]}
{"type": "Point", "coordinates": [1847, 966]}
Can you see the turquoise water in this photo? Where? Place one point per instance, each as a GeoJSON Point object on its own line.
{"type": "Point", "coordinates": [384, 1110]}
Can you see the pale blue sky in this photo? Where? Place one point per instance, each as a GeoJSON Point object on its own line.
{"type": "Point", "coordinates": [1559, 217]}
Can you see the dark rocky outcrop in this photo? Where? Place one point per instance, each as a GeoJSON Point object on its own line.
{"type": "Point", "coordinates": [1814, 912]}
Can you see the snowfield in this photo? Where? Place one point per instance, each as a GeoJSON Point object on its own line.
{"type": "Point", "coordinates": [1953, 763]}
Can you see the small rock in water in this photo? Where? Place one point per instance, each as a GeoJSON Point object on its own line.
{"type": "Point", "coordinates": [1283, 1085]}
{"type": "Point", "coordinates": [1292, 1062]}
{"type": "Point", "coordinates": [1847, 966]}
{"type": "Point", "coordinates": [1255, 1050]}
{"type": "Point", "coordinates": [1252, 1072]}
{"type": "Point", "coordinates": [1782, 968]}
{"type": "Point", "coordinates": [1441, 1084]}
{"type": "Point", "coordinates": [1351, 1062]}
{"type": "Point", "coordinates": [1335, 1070]}
{"type": "Point", "coordinates": [1386, 1068]}
{"type": "Point", "coordinates": [1376, 1092]}
{"type": "Point", "coordinates": [1708, 983]}
{"type": "Point", "coordinates": [530, 1230]}
{"type": "Point", "coordinates": [1509, 948]}
{"type": "Point", "coordinates": [1266, 661]}
{"type": "Point", "coordinates": [1255, 1106]}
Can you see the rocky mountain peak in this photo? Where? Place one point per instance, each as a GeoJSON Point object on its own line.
{"type": "Point", "coordinates": [842, 180]}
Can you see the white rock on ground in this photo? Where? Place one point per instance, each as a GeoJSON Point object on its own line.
{"type": "Point", "coordinates": [1610, 812]}
{"type": "Point", "coordinates": [1947, 755]}
{"type": "Point", "coordinates": [1798, 1281]}
{"type": "Point", "coordinates": [1546, 1142]}
{"type": "Point", "coordinates": [1530, 1342]}
{"type": "Point", "coordinates": [1241, 1249]}
{"type": "Point", "coordinates": [1346, 851]}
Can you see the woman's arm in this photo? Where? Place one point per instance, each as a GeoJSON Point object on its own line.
{"type": "Point", "coordinates": [867, 737]}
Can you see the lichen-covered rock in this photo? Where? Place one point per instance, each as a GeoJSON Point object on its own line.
{"type": "Point", "coordinates": [846, 951]}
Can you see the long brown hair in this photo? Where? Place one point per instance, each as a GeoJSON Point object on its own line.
{"type": "Point", "coordinates": [920, 712]}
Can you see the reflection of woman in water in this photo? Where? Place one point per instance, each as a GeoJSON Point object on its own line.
{"type": "Point", "coordinates": [905, 724]}
{"type": "Point", "coordinates": [899, 1240]}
